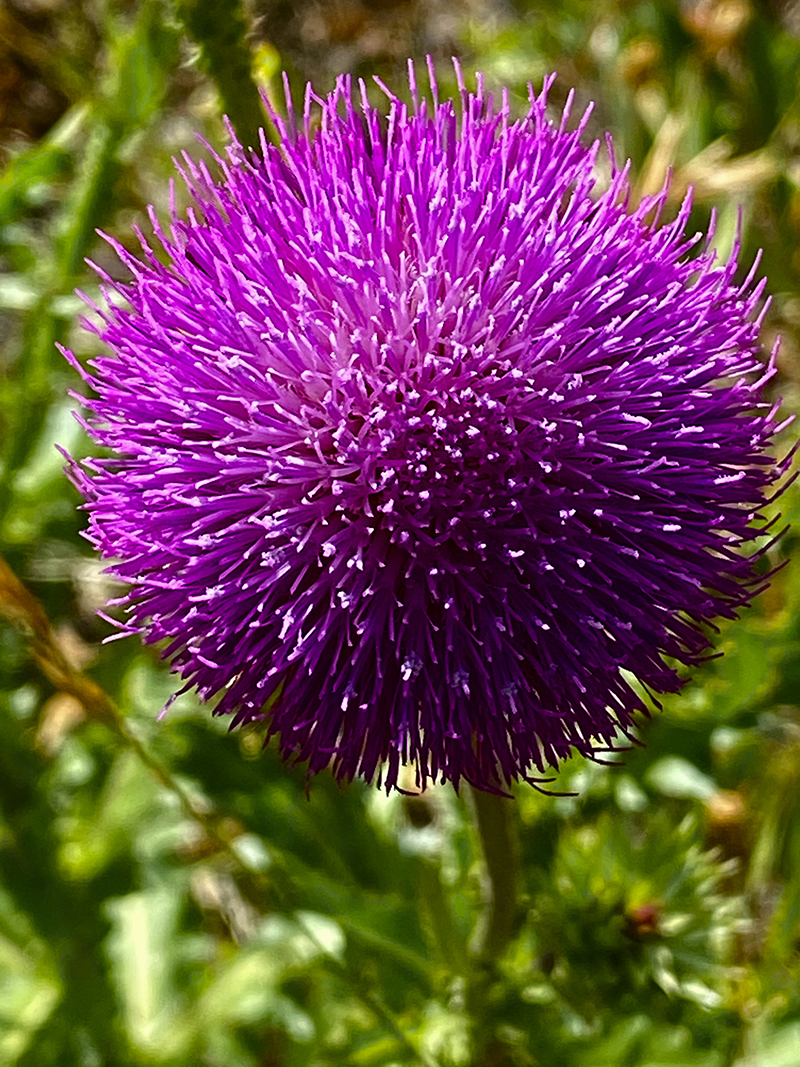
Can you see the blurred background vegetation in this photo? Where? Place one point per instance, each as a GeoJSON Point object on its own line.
{"type": "Point", "coordinates": [170, 895]}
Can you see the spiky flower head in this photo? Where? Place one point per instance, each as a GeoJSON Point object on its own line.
{"type": "Point", "coordinates": [423, 447]}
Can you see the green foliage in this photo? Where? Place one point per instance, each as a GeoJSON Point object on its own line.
{"type": "Point", "coordinates": [171, 894]}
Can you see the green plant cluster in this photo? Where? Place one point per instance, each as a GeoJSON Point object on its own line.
{"type": "Point", "coordinates": [171, 895]}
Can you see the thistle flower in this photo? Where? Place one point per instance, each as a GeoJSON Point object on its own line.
{"type": "Point", "coordinates": [423, 449]}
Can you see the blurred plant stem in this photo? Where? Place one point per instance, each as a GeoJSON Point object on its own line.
{"type": "Point", "coordinates": [495, 825]}
{"type": "Point", "coordinates": [22, 609]}
{"type": "Point", "coordinates": [220, 32]}
{"type": "Point", "coordinates": [494, 819]}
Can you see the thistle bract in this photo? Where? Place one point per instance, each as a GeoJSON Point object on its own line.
{"type": "Point", "coordinates": [423, 447]}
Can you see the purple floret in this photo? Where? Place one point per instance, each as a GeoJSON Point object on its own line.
{"type": "Point", "coordinates": [423, 447]}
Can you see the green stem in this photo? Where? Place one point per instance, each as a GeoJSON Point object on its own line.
{"type": "Point", "coordinates": [500, 847]}
{"type": "Point", "coordinates": [220, 31]}
{"type": "Point", "coordinates": [493, 817]}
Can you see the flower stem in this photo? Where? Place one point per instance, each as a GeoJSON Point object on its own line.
{"type": "Point", "coordinates": [500, 847]}
{"type": "Point", "coordinates": [493, 817]}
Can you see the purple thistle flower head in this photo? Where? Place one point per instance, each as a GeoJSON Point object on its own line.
{"type": "Point", "coordinates": [423, 448]}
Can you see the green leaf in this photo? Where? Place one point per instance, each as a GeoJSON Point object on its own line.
{"type": "Point", "coordinates": [674, 776]}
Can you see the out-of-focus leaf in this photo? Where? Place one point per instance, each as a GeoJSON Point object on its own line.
{"type": "Point", "coordinates": [22, 176]}
{"type": "Point", "coordinates": [96, 836]}
{"type": "Point", "coordinates": [776, 1048]}
{"type": "Point", "coordinates": [143, 931]}
{"type": "Point", "coordinates": [29, 985]}
{"type": "Point", "coordinates": [673, 776]}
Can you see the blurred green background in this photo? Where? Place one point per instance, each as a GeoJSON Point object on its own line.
{"type": "Point", "coordinates": [170, 894]}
